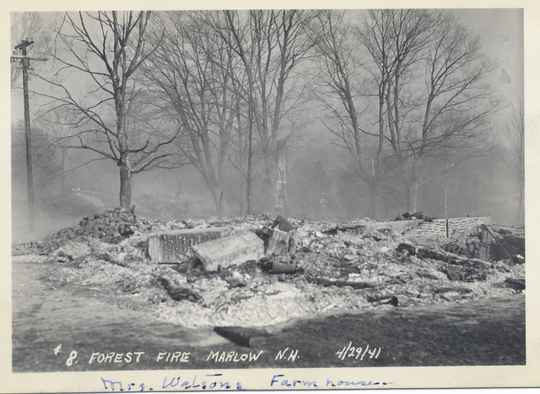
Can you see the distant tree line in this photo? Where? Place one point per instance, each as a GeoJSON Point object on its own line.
{"type": "Point", "coordinates": [235, 94]}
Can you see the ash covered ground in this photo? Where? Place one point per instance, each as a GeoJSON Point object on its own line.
{"type": "Point", "coordinates": [341, 267]}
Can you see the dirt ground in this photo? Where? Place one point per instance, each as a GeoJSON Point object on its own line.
{"type": "Point", "coordinates": [91, 324]}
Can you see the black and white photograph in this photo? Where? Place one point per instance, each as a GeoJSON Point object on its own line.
{"type": "Point", "coordinates": [269, 196]}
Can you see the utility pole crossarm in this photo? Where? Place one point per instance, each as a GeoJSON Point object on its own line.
{"type": "Point", "coordinates": [24, 44]}
{"type": "Point", "coordinates": [16, 57]}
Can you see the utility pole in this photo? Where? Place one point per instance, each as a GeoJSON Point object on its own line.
{"type": "Point", "coordinates": [25, 62]}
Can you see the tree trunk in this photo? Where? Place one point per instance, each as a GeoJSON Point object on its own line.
{"type": "Point", "coordinates": [521, 194]}
{"type": "Point", "coordinates": [520, 209]}
{"type": "Point", "coordinates": [241, 201]}
{"type": "Point", "coordinates": [445, 194]}
{"type": "Point", "coordinates": [414, 196]}
{"type": "Point", "coordinates": [248, 189]}
{"type": "Point", "coordinates": [222, 207]}
{"type": "Point", "coordinates": [249, 160]}
{"type": "Point", "coordinates": [270, 183]}
{"type": "Point", "coordinates": [491, 180]}
{"type": "Point", "coordinates": [125, 184]}
{"type": "Point", "coordinates": [374, 193]}
{"type": "Point", "coordinates": [411, 182]}
{"type": "Point", "coordinates": [408, 195]}
{"type": "Point", "coordinates": [63, 186]}
{"type": "Point", "coordinates": [219, 201]}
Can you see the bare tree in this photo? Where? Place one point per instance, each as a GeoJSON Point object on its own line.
{"type": "Point", "coordinates": [515, 128]}
{"type": "Point", "coordinates": [394, 40]}
{"type": "Point", "coordinates": [459, 103]}
{"type": "Point", "coordinates": [45, 155]}
{"type": "Point", "coordinates": [192, 75]}
{"type": "Point", "coordinates": [271, 46]}
{"type": "Point", "coordinates": [103, 50]}
{"type": "Point", "coordinates": [457, 154]}
{"type": "Point", "coordinates": [342, 91]}
{"type": "Point", "coordinates": [242, 141]}
{"type": "Point", "coordinates": [57, 125]}
{"type": "Point", "coordinates": [405, 45]}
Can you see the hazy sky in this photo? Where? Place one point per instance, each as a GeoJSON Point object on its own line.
{"type": "Point", "coordinates": [501, 35]}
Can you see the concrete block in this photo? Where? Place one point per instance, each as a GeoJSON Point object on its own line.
{"type": "Point", "coordinates": [278, 243]}
{"type": "Point", "coordinates": [230, 250]}
{"type": "Point", "coordinates": [175, 245]}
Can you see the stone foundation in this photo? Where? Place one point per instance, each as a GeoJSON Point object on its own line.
{"type": "Point", "coordinates": [175, 245]}
{"type": "Point", "coordinates": [446, 228]}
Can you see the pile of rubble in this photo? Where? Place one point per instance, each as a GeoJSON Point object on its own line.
{"type": "Point", "coordinates": [413, 216]}
{"type": "Point", "coordinates": [111, 226]}
{"type": "Point", "coordinates": [260, 270]}
{"type": "Point", "coordinates": [490, 243]}
{"type": "Point", "coordinates": [509, 241]}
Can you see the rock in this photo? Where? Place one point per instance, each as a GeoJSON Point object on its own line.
{"type": "Point", "coordinates": [427, 274]}
{"type": "Point", "coordinates": [399, 300]}
{"type": "Point", "coordinates": [142, 247]}
{"type": "Point", "coordinates": [282, 224]}
{"type": "Point", "coordinates": [104, 255]}
{"type": "Point", "coordinates": [378, 297]}
{"type": "Point", "coordinates": [450, 296]}
{"type": "Point", "coordinates": [417, 215]}
{"type": "Point", "coordinates": [406, 249]}
{"type": "Point", "coordinates": [519, 283]}
{"type": "Point", "coordinates": [63, 259]}
{"type": "Point", "coordinates": [339, 283]}
{"type": "Point", "coordinates": [478, 264]}
{"type": "Point", "coordinates": [178, 292]}
{"type": "Point", "coordinates": [508, 245]}
{"type": "Point", "coordinates": [283, 267]}
{"type": "Point", "coordinates": [518, 259]}
{"type": "Point", "coordinates": [466, 270]}
{"type": "Point", "coordinates": [469, 263]}
{"type": "Point", "coordinates": [293, 242]}
{"type": "Point", "coordinates": [120, 259]}
{"type": "Point", "coordinates": [183, 294]}
{"type": "Point", "coordinates": [501, 266]}
{"type": "Point", "coordinates": [175, 245]}
{"type": "Point", "coordinates": [453, 289]}
{"type": "Point", "coordinates": [473, 275]}
{"type": "Point", "coordinates": [230, 250]}
{"type": "Point", "coordinates": [432, 254]}
{"type": "Point", "coordinates": [278, 244]}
